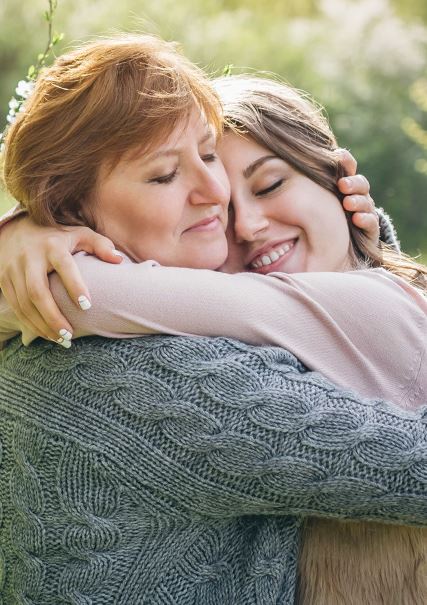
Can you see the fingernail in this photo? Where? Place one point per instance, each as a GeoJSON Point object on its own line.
{"type": "Point", "coordinates": [347, 182]}
{"type": "Point", "coordinates": [84, 303]}
{"type": "Point", "coordinates": [64, 343]}
{"type": "Point", "coordinates": [66, 335]}
{"type": "Point", "coordinates": [117, 253]}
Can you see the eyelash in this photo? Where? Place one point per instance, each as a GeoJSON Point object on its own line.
{"type": "Point", "coordinates": [211, 157]}
{"type": "Point", "coordinates": [168, 178]}
{"type": "Point", "coordinates": [271, 188]}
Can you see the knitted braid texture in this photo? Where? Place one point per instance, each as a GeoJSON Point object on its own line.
{"type": "Point", "coordinates": [388, 233]}
{"type": "Point", "coordinates": [169, 470]}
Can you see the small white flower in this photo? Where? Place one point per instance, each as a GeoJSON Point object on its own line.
{"type": "Point", "coordinates": [13, 103]}
{"type": "Point", "coordinates": [24, 88]}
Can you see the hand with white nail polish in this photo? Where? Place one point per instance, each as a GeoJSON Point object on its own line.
{"type": "Point", "coordinates": [28, 253]}
{"type": "Point", "coordinates": [64, 343]}
{"type": "Point", "coordinates": [84, 303]}
{"type": "Point", "coordinates": [65, 334]}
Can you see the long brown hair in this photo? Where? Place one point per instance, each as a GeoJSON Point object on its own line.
{"type": "Point", "coordinates": [294, 127]}
{"type": "Point", "coordinates": [93, 105]}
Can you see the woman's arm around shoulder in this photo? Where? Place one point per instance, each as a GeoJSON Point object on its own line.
{"type": "Point", "coordinates": [360, 329]}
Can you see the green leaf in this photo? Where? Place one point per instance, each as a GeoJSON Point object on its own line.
{"type": "Point", "coordinates": [31, 71]}
{"type": "Point", "coordinates": [56, 38]}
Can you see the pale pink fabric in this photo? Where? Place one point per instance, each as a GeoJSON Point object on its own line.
{"type": "Point", "coordinates": [12, 213]}
{"type": "Point", "coordinates": [364, 330]}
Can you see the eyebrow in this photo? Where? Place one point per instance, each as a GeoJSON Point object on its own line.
{"type": "Point", "coordinates": [257, 164]}
{"type": "Point", "coordinates": [173, 152]}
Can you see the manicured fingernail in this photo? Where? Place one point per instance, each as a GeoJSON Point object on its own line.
{"type": "Point", "coordinates": [84, 303]}
{"type": "Point", "coordinates": [117, 253]}
{"type": "Point", "coordinates": [64, 343]}
{"type": "Point", "coordinates": [66, 335]}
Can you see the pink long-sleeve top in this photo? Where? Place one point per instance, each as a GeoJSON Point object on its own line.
{"type": "Point", "coordinates": [364, 330]}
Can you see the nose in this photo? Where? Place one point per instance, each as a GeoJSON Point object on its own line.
{"type": "Point", "coordinates": [210, 186]}
{"type": "Point", "coordinates": [249, 222]}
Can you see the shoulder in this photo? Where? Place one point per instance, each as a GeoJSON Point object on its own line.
{"type": "Point", "coordinates": [374, 288]}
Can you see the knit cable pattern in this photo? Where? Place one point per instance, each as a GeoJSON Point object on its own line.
{"type": "Point", "coordinates": [388, 233]}
{"type": "Point", "coordinates": [178, 470]}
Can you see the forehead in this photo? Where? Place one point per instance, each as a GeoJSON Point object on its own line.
{"type": "Point", "coordinates": [238, 151]}
{"type": "Point", "coordinates": [192, 129]}
{"type": "Point", "coordinates": [243, 144]}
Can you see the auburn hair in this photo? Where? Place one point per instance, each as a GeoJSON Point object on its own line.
{"type": "Point", "coordinates": [92, 105]}
{"type": "Point", "coordinates": [294, 127]}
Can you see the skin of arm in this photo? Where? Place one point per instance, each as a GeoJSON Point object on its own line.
{"type": "Point", "coordinates": [308, 314]}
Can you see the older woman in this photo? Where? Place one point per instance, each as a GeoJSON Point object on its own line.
{"type": "Point", "coordinates": [146, 474]}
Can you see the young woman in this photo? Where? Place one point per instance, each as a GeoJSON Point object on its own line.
{"type": "Point", "coordinates": [191, 232]}
{"type": "Point", "coordinates": [287, 218]}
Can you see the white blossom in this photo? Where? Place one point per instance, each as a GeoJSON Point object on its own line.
{"type": "Point", "coordinates": [13, 103]}
{"type": "Point", "coordinates": [24, 88]}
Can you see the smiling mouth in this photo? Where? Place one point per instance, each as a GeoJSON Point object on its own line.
{"type": "Point", "coordinates": [208, 224]}
{"type": "Point", "coordinates": [272, 256]}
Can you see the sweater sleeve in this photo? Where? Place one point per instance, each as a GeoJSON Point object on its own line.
{"type": "Point", "coordinates": [219, 428]}
{"type": "Point", "coordinates": [17, 210]}
{"type": "Point", "coordinates": [313, 315]}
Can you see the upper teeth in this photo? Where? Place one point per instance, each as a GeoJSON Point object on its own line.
{"type": "Point", "coordinates": [271, 257]}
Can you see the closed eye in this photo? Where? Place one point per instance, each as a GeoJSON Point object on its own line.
{"type": "Point", "coordinates": [271, 188]}
{"type": "Point", "coordinates": [167, 178]}
{"type": "Point", "coordinates": [210, 157]}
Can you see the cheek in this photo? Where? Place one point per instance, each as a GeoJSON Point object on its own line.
{"type": "Point", "coordinates": [235, 256]}
{"type": "Point", "coordinates": [123, 219]}
{"type": "Point", "coordinates": [222, 177]}
{"type": "Point", "coordinates": [327, 215]}
{"type": "Point", "coordinates": [335, 238]}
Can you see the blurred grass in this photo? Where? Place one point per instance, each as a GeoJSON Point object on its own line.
{"type": "Point", "coordinates": [6, 202]}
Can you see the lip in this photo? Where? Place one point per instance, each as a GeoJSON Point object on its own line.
{"type": "Point", "coordinates": [207, 224]}
{"type": "Point", "coordinates": [275, 266]}
{"type": "Point", "coordinates": [269, 246]}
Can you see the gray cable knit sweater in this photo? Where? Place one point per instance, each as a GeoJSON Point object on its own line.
{"type": "Point", "coordinates": [168, 470]}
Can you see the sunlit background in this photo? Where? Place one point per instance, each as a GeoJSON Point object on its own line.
{"type": "Point", "coordinates": [364, 60]}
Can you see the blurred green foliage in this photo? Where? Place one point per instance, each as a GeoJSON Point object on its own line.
{"type": "Point", "coordinates": [360, 58]}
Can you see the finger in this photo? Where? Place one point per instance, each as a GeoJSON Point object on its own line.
{"type": "Point", "coordinates": [347, 161]}
{"type": "Point", "coordinates": [45, 313]}
{"type": "Point", "coordinates": [9, 293]}
{"type": "Point", "coordinates": [357, 184]}
{"type": "Point", "coordinates": [368, 222]}
{"type": "Point", "coordinates": [359, 203]}
{"type": "Point", "coordinates": [67, 270]}
{"type": "Point", "coordinates": [93, 243]}
{"type": "Point", "coordinates": [26, 314]}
